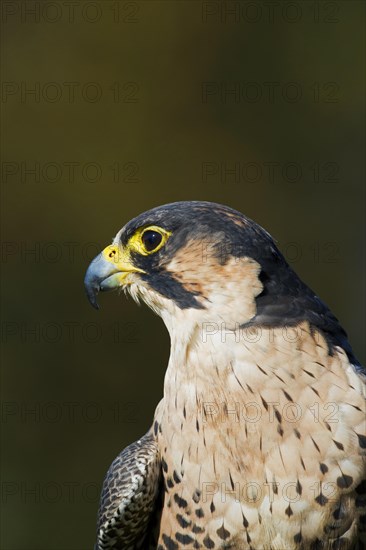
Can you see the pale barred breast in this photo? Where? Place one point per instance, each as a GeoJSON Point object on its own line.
{"type": "Point", "coordinates": [272, 441]}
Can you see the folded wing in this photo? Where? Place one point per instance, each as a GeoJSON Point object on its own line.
{"type": "Point", "coordinates": [130, 505]}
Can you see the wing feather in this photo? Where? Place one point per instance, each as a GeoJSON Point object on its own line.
{"type": "Point", "coordinates": [130, 501]}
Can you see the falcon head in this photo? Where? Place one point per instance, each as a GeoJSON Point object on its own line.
{"type": "Point", "coordinates": [196, 262]}
{"type": "Point", "coordinates": [184, 256]}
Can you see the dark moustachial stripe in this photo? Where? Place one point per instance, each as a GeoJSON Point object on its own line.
{"type": "Point", "coordinates": [285, 299]}
{"type": "Point", "coordinates": [164, 283]}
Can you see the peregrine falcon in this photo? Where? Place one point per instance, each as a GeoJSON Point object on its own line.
{"type": "Point", "coordinates": [259, 441]}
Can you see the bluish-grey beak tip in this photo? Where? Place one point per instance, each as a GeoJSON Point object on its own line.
{"type": "Point", "coordinates": [92, 282]}
{"type": "Point", "coordinates": [92, 296]}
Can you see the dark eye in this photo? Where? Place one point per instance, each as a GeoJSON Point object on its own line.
{"type": "Point", "coordinates": [151, 240]}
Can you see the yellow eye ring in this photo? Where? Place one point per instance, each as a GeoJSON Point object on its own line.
{"type": "Point", "coordinates": [149, 239]}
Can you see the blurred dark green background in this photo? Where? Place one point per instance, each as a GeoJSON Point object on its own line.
{"type": "Point", "coordinates": [111, 108]}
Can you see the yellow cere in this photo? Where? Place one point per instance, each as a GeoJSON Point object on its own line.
{"type": "Point", "coordinates": [120, 258]}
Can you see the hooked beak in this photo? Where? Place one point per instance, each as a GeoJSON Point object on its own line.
{"type": "Point", "coordinates": [108, 271]}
